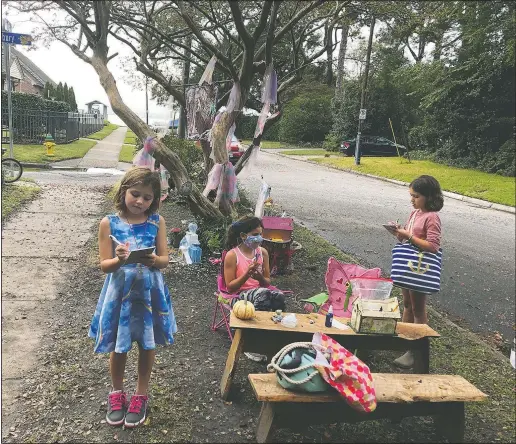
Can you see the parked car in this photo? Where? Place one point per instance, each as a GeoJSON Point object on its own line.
{"type": "Point", "coordinates": [372, 146]}
{"type": "Point", "coordinates": [236, 150]}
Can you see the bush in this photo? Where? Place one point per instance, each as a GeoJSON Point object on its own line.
{"type": "Point", "coordinates": [190, 155]}
{"type": "Point", "coordinates": [246, 125]}
{"type": "Point", "coordinates": [331, 142]}
{"type": "Point", "coordinates": [307, 117]}
{"type": "Point", "coordinates": [22, 101]}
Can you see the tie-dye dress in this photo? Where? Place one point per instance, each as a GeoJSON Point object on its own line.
{"type": "Point", "coordinates": [134, 303]}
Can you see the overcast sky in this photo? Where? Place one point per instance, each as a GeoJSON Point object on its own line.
{"type": "Point", "coordinates": [61, 65]}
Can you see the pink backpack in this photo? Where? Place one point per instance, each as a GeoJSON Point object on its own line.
{"type": "Point", "coordinates": [337, 281]}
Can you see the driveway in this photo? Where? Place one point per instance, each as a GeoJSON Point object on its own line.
{"type": "Point", "coordinates": [478, 282]}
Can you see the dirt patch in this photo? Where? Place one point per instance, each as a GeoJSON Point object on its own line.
{"type": "Point", "coordinates": [64, 398]}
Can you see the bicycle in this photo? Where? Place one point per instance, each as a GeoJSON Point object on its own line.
{"type": "Point", "coordinates": [11, 169]}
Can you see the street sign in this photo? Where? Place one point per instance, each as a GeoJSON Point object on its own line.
{"type": "Point", "coordinates": [16, 39]}
{"type": "Point", "coordinates": [362, 115]}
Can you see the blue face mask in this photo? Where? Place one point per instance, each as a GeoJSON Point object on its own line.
{"type": "Point", "coordinates": [253, 242]}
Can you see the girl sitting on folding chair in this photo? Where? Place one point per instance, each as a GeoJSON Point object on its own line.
{"type": "Point", "coordinates": [246, 266]}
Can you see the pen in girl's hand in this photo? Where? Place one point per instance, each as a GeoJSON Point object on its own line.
{"type": "Point", "coordinates": [115, 240]}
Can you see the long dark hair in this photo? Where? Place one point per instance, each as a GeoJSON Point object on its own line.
{"type": "Point", "coordinates": [429, 187]}
{"type": "Point", "coordinates": [245, 224]}
{"type": "Point", "coordinates": [139, 176]}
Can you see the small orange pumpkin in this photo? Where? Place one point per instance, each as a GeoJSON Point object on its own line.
{"type": "Point", "coordinates": [244, 309]}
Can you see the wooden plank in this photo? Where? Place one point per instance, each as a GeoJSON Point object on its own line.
{"type": "Point", "coordinates": [390, 387]}
{"type": "Point", "coordinates": [263, 321]}
{"type": "Point", "coordinates": [263, 430]}
{"type": "Point", "coordinates": [231, 364]}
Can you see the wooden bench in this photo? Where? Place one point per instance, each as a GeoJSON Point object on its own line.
{"type": "Point", "coordinates": [262, 335]}
{"type": "Point", "coordinates": [398, 396]}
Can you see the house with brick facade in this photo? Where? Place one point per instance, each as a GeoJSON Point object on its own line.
{"type": "Point", "coordinates": [26, 76]}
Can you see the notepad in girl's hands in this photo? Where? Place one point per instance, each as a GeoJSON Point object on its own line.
{"type": "Point", "coordinates": [136, 256]}
{"type": "Point", "coordinates": [390, 228]}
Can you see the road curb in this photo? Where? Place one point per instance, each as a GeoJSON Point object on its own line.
{"type": "Point", "coordinates": [36, 165]}
{"type": "Point", "coordinates": [456, 196]}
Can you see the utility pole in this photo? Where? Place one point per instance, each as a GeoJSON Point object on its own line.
{"type": "Point", "coordinates": [7, 51]}
{"type": "Point", "coordinates": [146, 100]}
{"type": "Point", "coordinates": [362, 115]}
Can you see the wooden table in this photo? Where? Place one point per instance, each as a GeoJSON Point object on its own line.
{"type": "Point", "coordinates": [262, 335]}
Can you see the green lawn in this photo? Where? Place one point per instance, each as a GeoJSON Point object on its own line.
{"type": "Point", "coordinates": [38, 153]}
{"type": "Point", "coordinates": [15, 195]}
{"type": "Point", "coordinates": [266, 144]}
{"type": "Point", "coordinates": [127, 153]}
{"type": "Point", "coordinates": [308, 152]}
{"type": "Point", "coordinates": [130, 137]}
{"type": "Point", "coordinates": [104, 132]}
{"type": "Point", "coordinates": [472, 183]}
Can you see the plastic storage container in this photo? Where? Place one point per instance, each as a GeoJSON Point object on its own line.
{"type": "Point", "coordinates": [373, 289]}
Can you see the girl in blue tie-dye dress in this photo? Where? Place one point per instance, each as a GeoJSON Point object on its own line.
{"type": "Point", "coordinates": [134, 305]}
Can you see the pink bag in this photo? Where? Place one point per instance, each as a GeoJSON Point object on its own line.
{"type": "Point", "coordinates": [345, 373]}
{"type": "Point", "coordinates": [337, 282]}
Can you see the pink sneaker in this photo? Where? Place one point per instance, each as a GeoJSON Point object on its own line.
{"type": "Point", "coordinates": [117, 403]}
{"type": "Point", "coordinates": [137, 411]}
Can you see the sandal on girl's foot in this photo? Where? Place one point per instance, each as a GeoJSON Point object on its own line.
{"type": "Point", "coordinates": [137, 411]}
{"type": "Point", "coordinates": [405, 361]}
{"type": "Point", "coordinates": [116, 406]}
{"type": "Point", "coordinates": [255, 357]}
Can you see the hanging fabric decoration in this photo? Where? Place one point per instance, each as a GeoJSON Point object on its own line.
{"type": "Point", "coordinates": [213, 179]}
{"type": "Point", "coordinates": [261, 120]}
{"type": "Point", "coordinates": [208, 72]}
{"type": "Point", "coordinates": [227, 192]}
{"type": "Point", "coordinates": [270, 85]}
{"type": "Point", "coordinates": [269, 97]}
{"type": "Point", "coordinates": [144, 158]}
{"type": "Point", "coordinates": [234, 98]}
{"type": "Point", "coordinates": [200, 105]}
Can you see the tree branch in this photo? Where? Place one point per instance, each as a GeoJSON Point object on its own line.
{"type": "Point", "coordinates": [239, 24]}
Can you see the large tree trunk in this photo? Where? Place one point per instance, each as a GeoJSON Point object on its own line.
{"type": "Point", "coordinates": [199, 205]}
{"type": "Point", "coordinates": [181, 133]}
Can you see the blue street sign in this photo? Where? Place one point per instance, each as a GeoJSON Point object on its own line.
{"type": "Point", "coordinates": [16, 39]}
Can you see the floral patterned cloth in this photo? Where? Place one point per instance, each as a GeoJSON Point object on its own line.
{"type": "Point", "coordinates": [134, 304]}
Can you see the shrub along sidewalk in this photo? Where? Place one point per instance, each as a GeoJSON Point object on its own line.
{"type": "Point", "coordinates": [472, 183]}
{"type": "Point", "coordinates": [38, 153]}
{"type": "Point", "coordinates": [104, 132]}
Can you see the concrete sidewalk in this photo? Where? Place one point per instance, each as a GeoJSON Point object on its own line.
{"type": "Point", "coordinates": [105, 153]}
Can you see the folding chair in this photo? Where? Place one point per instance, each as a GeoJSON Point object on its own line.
{"type": "Point", "coordinates": [223, 299]}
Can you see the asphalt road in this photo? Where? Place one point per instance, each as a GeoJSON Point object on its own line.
{"type": "Point", "coordinates": [478, 282]}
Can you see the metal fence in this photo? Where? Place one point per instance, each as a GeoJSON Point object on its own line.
{"type": "Point", "coordinates": [31, 126]}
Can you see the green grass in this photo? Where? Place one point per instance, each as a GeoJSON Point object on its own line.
{"type": "Point", "coordinates": [472, 183]}
{"type": "Point", "coordinates": [265, 144]}
{"type": "Point", "coordinates": [307, 152]}
{"type": "Point", "coordinates": [130, 137]}
{"type": "Point", "coordinates": [126, 154]}
{"type": "Point", "coordinates": [15, 195]}
{"type": "Point", "coordinates": [104, 132]}
{"type": "Point", "coordinates": [38, 153]}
